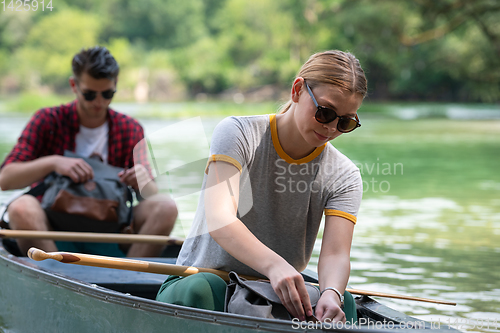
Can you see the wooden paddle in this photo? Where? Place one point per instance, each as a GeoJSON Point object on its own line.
{"type": "Point", "coordinates": [92, 237]}
{"type": "Point", "coordinates": [161, 268]}
{"type": "Point", "coordinates": [125, 264]}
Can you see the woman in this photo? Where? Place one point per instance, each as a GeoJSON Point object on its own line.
{"type": "Point", "coordinates": [268, 182]}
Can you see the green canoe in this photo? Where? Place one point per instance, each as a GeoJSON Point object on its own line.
{"type": "Point", "coordinates": [50, 296]}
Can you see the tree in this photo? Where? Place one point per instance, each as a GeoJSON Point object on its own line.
{"type": "Point", "coordinates": [154, 23]}
{"type": "Point", "coordinates": [51, 44]}
{"type": "Point", "coordinates": [470, 34]}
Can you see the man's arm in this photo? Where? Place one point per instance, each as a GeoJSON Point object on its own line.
{"type": "Point", "coordinates": [334, 266]}
{"type": "Point", "coordinates": [24, 165]}
{"type": "Point", "coordinates": [16, 175]}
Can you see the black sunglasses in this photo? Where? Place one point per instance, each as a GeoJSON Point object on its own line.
{"type": "Point", "coordinates": [325, 115]}
{"type": "Point", "coordinates": [90, 95]}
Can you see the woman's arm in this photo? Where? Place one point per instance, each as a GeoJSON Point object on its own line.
{"type": "Point", "coordinates": [221, 198]}
{"type": "Point", "coordinates": [334, 266]}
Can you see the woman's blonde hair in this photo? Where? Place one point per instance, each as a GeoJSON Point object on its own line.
{"type": "Point", "coordinates": [341, 69]}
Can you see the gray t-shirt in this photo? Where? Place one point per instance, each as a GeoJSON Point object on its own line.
{"type": "Point", "coordinates": [281, 201]}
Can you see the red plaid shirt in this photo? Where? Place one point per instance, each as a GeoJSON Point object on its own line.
{"type": "Point", "coordinates": [51, 131]}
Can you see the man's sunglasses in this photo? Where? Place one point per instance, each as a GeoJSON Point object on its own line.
{"type": "Point", "coordinates": [90, 95]}
{"type": "Point", "coordinates": [325, 115]}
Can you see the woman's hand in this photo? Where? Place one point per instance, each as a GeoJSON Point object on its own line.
{"type": "Point", "coordinates": [328, 307]}
{"type": "Point", "coordinates": [290, 287]}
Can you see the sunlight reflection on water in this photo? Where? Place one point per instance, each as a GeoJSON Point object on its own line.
{"type": "Point", "coordinates": [413, 247]}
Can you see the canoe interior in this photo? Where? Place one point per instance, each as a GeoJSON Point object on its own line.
{"type": "Point", "coordinates": [138, 285]}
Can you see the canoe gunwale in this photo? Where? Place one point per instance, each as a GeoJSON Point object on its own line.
{"type": "Point", "coordinates": [28, 268]}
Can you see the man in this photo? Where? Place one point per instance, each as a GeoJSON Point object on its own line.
{"type": "Point", "coordinates": [88, 127]}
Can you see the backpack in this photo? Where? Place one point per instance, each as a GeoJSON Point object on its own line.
{"type": "Point", "coordinates": [102, 204]}
{"type": "Point", "coordinates": [258, 299]}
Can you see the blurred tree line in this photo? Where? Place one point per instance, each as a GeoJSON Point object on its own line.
{"type": "Point", "coordinates": [447, 50]}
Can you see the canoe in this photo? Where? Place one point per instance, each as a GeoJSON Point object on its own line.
{"type": "Point", "coordinates": [49, 296]}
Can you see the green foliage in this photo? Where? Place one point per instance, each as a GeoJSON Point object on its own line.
{"type": "Point", "coordinates": [425, 49]}
{"type": "Point", "coordinates": [51, 44]}
{"type": "Point", "coordinates": [14, 28]}
{"type": "Point", "coordinates": [30, 102]}
{"type": "Point", "coordinates": [160, 23]}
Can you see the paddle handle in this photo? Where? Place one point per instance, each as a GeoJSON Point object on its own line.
{"type": "Point", "coordinates": [91, 237]}
{"type": "Point", "coordinates": [125, 264]}
{"type": "Point", "coordinates": [169, 269]}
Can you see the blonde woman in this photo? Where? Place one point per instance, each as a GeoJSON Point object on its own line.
{"type": "Point", "coordinates": [289, 172]}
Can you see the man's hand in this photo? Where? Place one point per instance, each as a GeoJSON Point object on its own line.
{"type": "Point", "coordinates": [138, 177]}
{"type": "Point", "coordinates": [290, 287]}
{"type": "Point", "coordinates": [328, 307]}
{"type": "Point", "coordinates": [75, 168]}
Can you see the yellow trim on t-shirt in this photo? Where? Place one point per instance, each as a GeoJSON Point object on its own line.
{"type": "Point", "coordinates": [281, 152]}
{"type": "Point", "coordinates": [334, 212]}
{"type": "Point", "coordinates": [223, 158]}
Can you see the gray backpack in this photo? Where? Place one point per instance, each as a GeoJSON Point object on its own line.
{"type": "Point", "coordinates": [258, 299]}
{"type": "Point", "coordinates": [102, 204]}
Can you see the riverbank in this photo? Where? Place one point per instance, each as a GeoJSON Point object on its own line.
{"type": "Point", "coordinates": [29, 103]}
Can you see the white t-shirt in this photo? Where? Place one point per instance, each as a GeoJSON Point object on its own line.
{"type": "Point", "coordinates": [93, 141]}
{"type": "Point", "coordinates": [281, 200]}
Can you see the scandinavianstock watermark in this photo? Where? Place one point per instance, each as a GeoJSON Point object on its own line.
{"type": "Point", "coordinates": [311, 177]}
{"type": "Point", "coordinates": [172, 152]}
{"type": "Point", "coordinates": [372, 172]}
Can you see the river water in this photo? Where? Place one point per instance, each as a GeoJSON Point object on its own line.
{"type": "Point", "coordinates": [429, 223]}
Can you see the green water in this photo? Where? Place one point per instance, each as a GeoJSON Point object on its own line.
{"type": "Point", "coordinates": [435, 230]}
{"type": "Point", "coordinates": [429, 223]}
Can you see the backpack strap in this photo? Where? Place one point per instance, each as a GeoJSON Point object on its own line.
{"type": "Point", "coordinates": [130, 199]}
{"type": "Point", "coordinates": [38, 189]}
